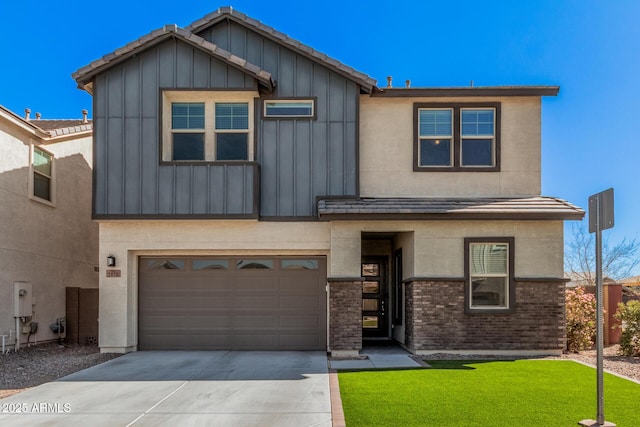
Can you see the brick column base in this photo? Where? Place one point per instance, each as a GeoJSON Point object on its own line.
{"type": "Point", "coordinates": [345, 316]}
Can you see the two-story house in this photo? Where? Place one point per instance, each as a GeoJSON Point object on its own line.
{"type": "Point", "coordinates": [253, 193]}
{"type": "Point", "coordinates": [48, 241]}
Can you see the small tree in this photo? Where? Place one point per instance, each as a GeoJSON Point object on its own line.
{"type": "Point", "coordinates": [618, 261]}
{"type": "Point", "coordinates": [629, 316]}
{"type": "Point", "coordinates": [580, 318]}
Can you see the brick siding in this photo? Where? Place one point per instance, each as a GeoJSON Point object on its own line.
{"type": "Point", "coordinates": [436, 319]}
{"type": "Point", "coordinates": [345, 315]}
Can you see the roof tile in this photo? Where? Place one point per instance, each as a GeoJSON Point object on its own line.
{"type": "Point", "coordinates": [489, 207]}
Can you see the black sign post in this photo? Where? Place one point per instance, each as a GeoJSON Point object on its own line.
{"type": "Point", "coordinates": [600, 218]}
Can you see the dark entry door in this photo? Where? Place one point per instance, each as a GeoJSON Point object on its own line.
{"type": "Point", "coordinates": [374, 298]}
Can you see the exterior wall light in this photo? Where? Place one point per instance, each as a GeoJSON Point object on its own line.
{"type": "Point", "coordinates": [111, 261]}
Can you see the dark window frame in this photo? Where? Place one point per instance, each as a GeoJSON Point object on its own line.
{"type": "Point", "coordinates": [313, 99]}
{"type": "Point", "coordinates": [510, 277]}
{"type": "Point", "coordinates": [456, 137]}
{"type": "Point", "coordinates": [170, 95]}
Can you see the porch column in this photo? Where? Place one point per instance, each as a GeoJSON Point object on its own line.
{"type": "Point", "coordinates": [345, 316]}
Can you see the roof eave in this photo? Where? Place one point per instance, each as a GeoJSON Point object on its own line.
{"type": "Point", "coordinates": [366, 83]}
{"type": "Point", "coordinates": [467, 91]}
{"type": "Point", "coordinates": [22, 123]}
{"type": "Point", "coordinates": [533, 216]}
{"type": "Point", "coordinates": [85, 75]}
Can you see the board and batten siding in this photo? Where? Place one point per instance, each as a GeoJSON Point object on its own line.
{"type": "Point", "coordinates": [129, 179]}
{"type": "Point", "coordinates": [295, 160]}
{"type": "Point", "coordinates": [299, 159]}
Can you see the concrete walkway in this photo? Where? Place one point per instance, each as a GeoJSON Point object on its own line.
{"type": "Point", "coordinates": [383, 357]}
{"type": "Point", "coordinates": [215, 388]}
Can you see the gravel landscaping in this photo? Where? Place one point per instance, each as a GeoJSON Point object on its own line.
{"type": "Point", "coordinates": [35, 365]}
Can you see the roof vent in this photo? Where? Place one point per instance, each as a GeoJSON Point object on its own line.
{"type": "Point", "coordinates": [389, 80]}
{"type": "Point", "coordinates": [407, 83]}
{"type": "Point", "coordinates": [38, 115]}
{"type": "Point", "coordinates": [84, 116]}
{"type": "Point", "coordinates": [27, 113]}
{"type": "Point", "coordinates": [471, 83]}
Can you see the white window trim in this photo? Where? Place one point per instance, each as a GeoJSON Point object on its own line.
{"type": "Point", "coordinates": [52, 178]}
{"type": "Point", "coordinates": [450, 137]}
{"type": "Point", "coordinates": [289, 101]}
{"type": "Point", "coordinates": [492, 138]}
{"type": "Point", "coordinates": [209, 98]}
{"type": "Point", "coordinates": [505, 275]}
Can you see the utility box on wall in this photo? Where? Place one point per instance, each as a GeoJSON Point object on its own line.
{"type": "Point", "coordinates": [23, 299]}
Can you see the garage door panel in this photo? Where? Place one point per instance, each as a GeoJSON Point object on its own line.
{"type": "Point", "coordinates": [255, 284]}
{"type": "Point", "coordinates": [254, 322]}
{"type": "Point", "coordinates": [207, 322]}
{"type": "Point", "coordinates": [299, 322]}
{"type": "Point", "coordinates": [212, 302]}
{"type": "Point", "coordinates": [299, 302]}
{"type": "Point", "coordinates": [226, 309]}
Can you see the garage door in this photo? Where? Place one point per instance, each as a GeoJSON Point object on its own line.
{"type": "Point", "coordinates": [232, 303]}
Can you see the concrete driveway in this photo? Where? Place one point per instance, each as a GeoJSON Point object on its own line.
{"type": "Point", "coordinates": [183, 388]}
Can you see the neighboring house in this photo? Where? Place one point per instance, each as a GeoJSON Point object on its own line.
{"type": "Point", "coordinates": [253, 193]}
{"type": "Point", "coordinates": [630, 281]}
{"type": "Point", "coordinates": [47, 237]}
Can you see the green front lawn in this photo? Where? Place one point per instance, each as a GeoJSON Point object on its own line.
{"type": "Point", "coordinates": [476, 393]}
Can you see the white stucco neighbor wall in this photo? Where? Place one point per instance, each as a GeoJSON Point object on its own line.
{"type": "Point", "coordinates": [386, 152]}
{"type": "Point", "coordinates": [127, 240]}
{"type": "Point", "coordinates": [52, 247]}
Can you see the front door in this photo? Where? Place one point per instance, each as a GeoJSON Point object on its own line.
{"type": "Point", "coordinates": [374, 298]}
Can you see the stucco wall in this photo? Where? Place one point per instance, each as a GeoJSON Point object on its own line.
{"type": "Point", "coordinates": [438, 248]}
{"type": "Point", "coordinates": [386, 152]}
{"type": "Point", "coordinates": [126, 240]}
{"type": "Point", "coordinates": [50, 246]}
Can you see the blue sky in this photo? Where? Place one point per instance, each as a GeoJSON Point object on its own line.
{"type": "Point", "coordinates": [590, 48]}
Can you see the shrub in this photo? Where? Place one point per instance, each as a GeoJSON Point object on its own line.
{"type": "Point", "coordinates": [629, 316]}
{"type": "Point", "coordinates": [581, 319]}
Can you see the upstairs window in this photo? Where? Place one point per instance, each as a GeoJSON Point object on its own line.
{"type": "Point", "coordinates": [207, 126]}
{"type": "Point", "coordinates": [187, 128]}
{"type": "Point", "coordinates": [282, 109]}
{"type": "Point", "coordinates": [232, 131]}
{"type": "Point", "coordinates": [42, 170]}
{"type": "Point", "coordinates": [477, 136]}
{"type": "Point", "coordinates": [435, 137]}
{"type": "Point", "coordinates": [457, 137]}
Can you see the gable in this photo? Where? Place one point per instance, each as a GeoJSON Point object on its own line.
{"type": "Point", "coordinates": [171, 33]}
{"type": "Point", "coordinates": [225, 26]}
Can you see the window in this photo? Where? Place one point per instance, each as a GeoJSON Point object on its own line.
{"type": "Point", "coordinates": [187, 128]}
{"type": "Point", "coordinates": [457, 137]}
{"type": "Point", "coordinates": [207, 126]}
{"type": "Point", "coordinates": [254, 264]}
{"type": "Point", "coordinates": [42, 165]}
{"type": "Point", "coordinates": [289, 108]}
{"type": "Point", "coordinates": [232, 128]}
{"type": "Point", "coordinates": [489, 274]}
{"type": "Point", "coordinates": [210, 264]}
{"type": "Point", "coordinates": [299, 264]}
